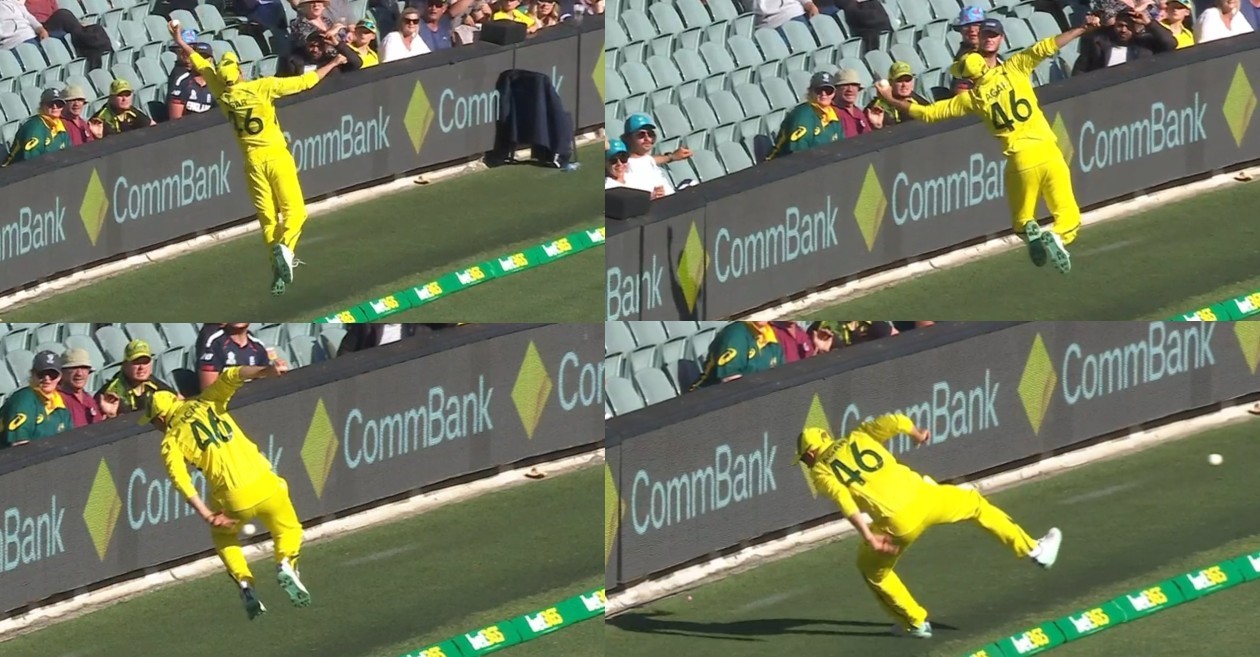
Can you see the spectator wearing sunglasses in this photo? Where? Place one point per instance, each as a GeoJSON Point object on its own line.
{"type": "Point", "coordinates": [43, 133]}
{"type": "Point", "coordinates": [406, 42]}
{"type": "Point", "coordinates": [814, 122]}
{"type": "Point", "coordinates": [643, 170]}
{"type": "Point", "coordinates": [38, 410]}
{"type": "Point", "coordinates": [615, 157]}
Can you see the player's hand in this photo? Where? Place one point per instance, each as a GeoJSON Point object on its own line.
{"type": "Point", "coordinates": [279, 367]}
{"type": "Point", "coordinates": [921, 436]}
{"type": "Point", "coordinates": [884, 543]}
{"type": "Point", "coordinates": [1092, 22]}
{"type": "Point", "coordinates": [220, 519]}
{"type": "Point", "coordinates": [174, 30]}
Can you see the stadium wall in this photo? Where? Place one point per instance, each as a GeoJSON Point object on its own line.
{"type": "Point", "coordinates": [788, 226]}
{"type": "Point", "coordinates": [95, 506]}
{"type": "Point", "coordinates": [68, 210]}
{"type": "Point", "coordinates": [712, 471]}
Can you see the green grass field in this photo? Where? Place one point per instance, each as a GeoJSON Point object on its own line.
{"type": "Point", "coordinates": [377, 592]}
{"type": "Point", "coordinates": [1126, 522]}
{"type": "Point", "coordinates": [378, 247]}
{"type": "Point", "coordinates": [1153, 265]}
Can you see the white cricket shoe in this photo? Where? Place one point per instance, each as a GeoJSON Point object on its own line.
{"type": "Point", "coordinates": [1047, 550]}
{"type": "Point", "coordinates": [923, 631]}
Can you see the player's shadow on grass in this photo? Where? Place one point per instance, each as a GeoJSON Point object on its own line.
{"type": "Point", "coordinates": [659, 622]}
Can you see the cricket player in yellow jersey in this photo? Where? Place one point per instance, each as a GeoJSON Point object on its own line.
{"type": "Point", "coordinates": [1002, 96]}
{"type": "Point", "coordinates": [864, 478]}
{"type": "Point", "coordinates": [241, 483]}
{"type": "Point", "coordinates": [270, 172]}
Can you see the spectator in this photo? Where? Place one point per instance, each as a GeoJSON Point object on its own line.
{"type": "Point", "coordinates": [509, 10]}
{"type": "Point", "coordinates": [133, 384]}
{"type": "Point", "coordinates": [479, 15]}
{"type": "Point", "coordinates": [18, 25]}
{"type": "Point", "coordinates": [1220, 22]}
{"type": "Point", "coordinates": [615, 158]}
{"type": "Point", "coordinates": [76, 370]}
{"type": "Point", "coordinates": [363, 41]}
{"type": "Point", "coordinates": [902, 80]}
{"type": "Point", "coordinates": [643, 169]}
{"type": "Point", "coordinates": [38, 410]}
{"type": "Point", "coordinates": [268, 13]}
{"type": "Point", "coordinates": [189, 92]}
{"type": "Point", "coordinates": [548, 13]}
{"type": "Point", "coordinates": [1132, 35]}
{"type": "Point", "coordinates": [56, 21]}
{"type": "Point", "coordinates": [360, 337]}
{"type": "Point", "coordinates": [814, 122]}
{"type": "Point", "coordinates": [866, 19]}
{"type": "Point", "coordinates": [592, 7]}
{"type": "Point", "coordinates": [312, 17]}
{"type": "Point", "coordinates": [796, 342]}
{"type": "Point", "coordinates": [854, 119]}
{"type": "Point", "coordinates": [232, 345]}
{"type": "Point", "coordinates": [386, 14]}
{"type": "Point", "coordinates": [740, 348]}
{"type": "Point", "coordinates": [851, 333]}
{"type": "Point", "coordinates": [968, 26]}
{"type": "Point", "coordinates": [43, 133]}
{"type": "Point", "coordinates": [118, 114]}
{"type": "Point", "coordinates": [81, 130]}
{"type": "Point", "coordinates": [318, 51]}
{"type": "Point", "coordinates": [776, 13]}
{"type": "Point", "coordinates": [1250, 10]}
{"type": "Point", "coordinates": [1174, 18]}
{"type": "Point", "coordinates": [406, 42]}
{"type": "Point", "coordinates": [436, 26]}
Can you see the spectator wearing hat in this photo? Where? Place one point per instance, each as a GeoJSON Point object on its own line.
{"type": "Point", "coordinates": [38, 410]}
{"type": "Point", "coordinates": [1133, 35]}
{"type": "Point", "coordinates": [81, 129]}
{"type": "Point", "coordinates": [616, 155]}
{"type": "Point", "coordinates": [856, 121]}
{"type": "Point", "coordinates": [643, 169]}
{"type": "Point", "coordinates": [406, 42]}
{"type": "Point", "coordinates": [119, 115]}
{"type": "Point", "coordinates": [968, 26]}
{"type": "Point", "coordinates": [43, 133]}
{"type": "Point", "coordinates": [76, 371]}
{"type": "Point", "coordinates": [134, 382]}
{"type": "Point", "coordinates": [548, 13]}
{"type": "Point", "coordinates": [363, 40]}
{"type": "Point", "coordinates": [1221, 21]}
{"type": "Point", "coordinates": [814, 122]}
{"type": "Point", "coordinates": [189, 93]}
{"type": "Point", "coordinates": [435, 25]}
{"type": "Point", "coordinates": [1174, 16]}
{"type": "Point", "coordinates": [738, 349]}
{"type": "Point", "coordinates": [319, 50]}
{"type": "Point", "coordinates": [901, 77]}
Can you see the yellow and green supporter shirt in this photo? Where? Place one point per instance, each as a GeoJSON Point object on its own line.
{"type": "Point", "coordinates": [28, 415]}
{"type": "Point", "coordinates": [806, 126]}
{"type": "Point", "coordinates": [38, 135]}
{"type": "Point", "coordinates": [740, 348]}
{"type": "Point", "coordinates": [130, 400]}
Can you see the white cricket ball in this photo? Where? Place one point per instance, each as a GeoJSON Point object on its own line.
{"type": "Point", "coordinates": [881, 84]}
{"type": "Point", "coordinates": [249, 529]}
{"type": "Point", "coordinates": [175, 24]}
{"type": "Point", "coordinates": [1215, 459]}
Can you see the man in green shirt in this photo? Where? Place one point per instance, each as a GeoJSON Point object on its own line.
{"type": "Point", "coordinates": [740, 348]}
{"type": "Point", "coordinates": [42, 133]}
{"type": "Point", "coordinates": [134, 383]}
{"type": "Point", "coordinates": [901, 78]}
{"type": "Point", "coordinates": [813, 122]}
{"type": "Point", "coordinates": [120, 114]}
{"type": "Point", "coordinates": [36, 411]}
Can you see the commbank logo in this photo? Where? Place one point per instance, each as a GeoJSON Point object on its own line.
{"type": "Point", "coordinates": [95, 206]}
{"type": "Point", "coordinates": [598, 75]}
{"type": "Point", "coordinates": [102, 509]}
{"type": "Point", "coordinates": [614, 508]}
{"type": "Point", "coordinates": [1239, 105]}
{"type": "Point", "coordinates": [871, 207]}
{"type": "Point", "coordinates": [816, 417]}
{"type": "Point", "coordinates": [419, 117]}
{"type": "Point", "coordinates": [691, 267]}
{"type": "Point", "coordinates": [531, 390]}
{"type": "Point", "coordinates": [1037, 384]}
{"type": "Point", "coordinates": [1064, 137]}
{"type": "Point", "coordinates": [1249, 340]}
{"type": "Point", "coordinates": [319, 448]}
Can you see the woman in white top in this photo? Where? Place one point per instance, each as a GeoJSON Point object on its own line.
{"type": "Point", "coordinates": [1221, 21]}
{"type": "Point", "coordinates": [616, 157]}
{"type": "Point", "coordinates": [406, 42]}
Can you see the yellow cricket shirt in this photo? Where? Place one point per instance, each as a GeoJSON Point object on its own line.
{"type": "Point", "coordinates": [1185, 38]}
{"type": "Point", "coordinates": [515, 15]}
{"type": "Point", "coordinates": [250, 104]}
{"type": "Point", "coordinates": [859, 474]}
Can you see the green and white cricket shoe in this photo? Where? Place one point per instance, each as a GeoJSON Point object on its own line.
{"type": "Point", "coordinates": [1047, 550]}
{"type": "Point", "coordinates": [1036, 248]}
{"type": "Point", "coordinates": [923, 631]}
{"type": "Point", "coordinates": [282, 262]}
{"type": "Point", "coordinates": [277, 284]}
{"type": "Point", "coordinates": [1057, 251]}
{"type": "Point", "coordinates": [253, 606]}
{"type": "Point", "coordinates": [288, 578]}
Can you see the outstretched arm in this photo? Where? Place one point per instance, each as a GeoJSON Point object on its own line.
{"type": "Point", "coordinates": [951, 108]}
{"type": "Point", "coordinates": [1091, 23]}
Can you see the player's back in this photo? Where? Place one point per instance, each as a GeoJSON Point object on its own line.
{"type": "Point", "coordinates": [874, 477]}
{"type": "Point", "coordinates": [250, 107]}
{"type": "Point", "coordinates": [210, 439]}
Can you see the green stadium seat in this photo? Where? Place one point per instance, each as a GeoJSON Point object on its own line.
{"type": "Point", "coordinates": [113, 342]}
{"type": "Point", "coordinates": [637, 26]}
{"type": "Point", "coordinates": [694, 14]}
{"type": "Point", "coordinates": [726, 108]}
{"type": "Point", "coordinates": [247, 48]}
{"type": "Point", "coordinates": [877, 62]}
{"type": "Point", "coordinates": [916, 13]}
{"type": "Point", "coordinates": [151, 72]}
{"type": "Point", "coordinates": [187, 21]}
{"type": "Point", "coordinates": [30, 98]}
{"type": "Point", "coordinates": [908, 54]}
{"type": "Point", "coordinates": [799, 37]}
{"type": "Point", "coordinates": [752, 100]}
{"type": "Point", "coordinates": [78, 328]}
{"type": "Point", "coordinates": [19, 361]}
{"type": "Point", "coordinates": [622, 396]}
{"type": "Point", "coordinates": [779, 93]}
{"type": "Point", "coordinates": [1043, 25]}
{"type": "Point", "coordinates": [824, 58]}
{"type": "Point", "coordinates": [1018, 34]}
{"type": "Point", "coordinates": [618, 339]}
{"type": "Point", "coordinates": [209, 18]}
{"type": "Point", "coordinates": [935, 53]}
{"type": "Point", "coordinates": [31, 56]}
{"type": "Point", "coordinates": [654, 386]}
{"type": "Point", "coordinates": [771, 43]}
{"type": "Point", "coordinates": [71, 6]}
{"type": "Point", "coordinates": [147, 332]}
{"type": "Point", "coordinates": [101, 79]}
{"type": "Point", "coordinates": [57, 52]}
{"type": "Point", "coordinates": [734, 156]}
{"type": "Point", "coordinates": [8, 383]}
{"type": "Point", "coordinates": [614, 37]}
{"type": "Point", "coordinates": [905, 35]}
{"type": "Point", "coordinates": [723, 10]}
{"type": "Point", "coordinates": [743, 24]}
{"type": "Point", "coordinates": [648, 334]}
{"type": "Point", "coordinates": [679, 329]}
{"type": "Point", "coordinates": [48, 333]}
{"type": "Point", "coordinates": [94, 9]}
{"type": "Point", "coordinates": [155, 26]}
{"type": "Point", "coordinates": [666, 20]}
{"type": "Point", "coordinates": [828, 30]}
{"type": "Point", "coordinates": [707, 165]}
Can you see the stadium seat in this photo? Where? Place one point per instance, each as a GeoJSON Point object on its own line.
{"type": "Point", "coordinates": [707, 165]}
{"type": "Point", "coordinates": [31, 56]}
{"type": "Point", "coordinates": [671, 121]}
{"type": "Point", "coordinates": [680, 171]}
{"type": "Point", "coordinates": [19, 361]}
{"type": "Point", "coordinates": [799, 37]}
{"type": "Point", "coordinates": [47, 333]}
{"type": "Point", "coordinates": [734, 156]}
{"type": "Point", "coordinates": [87, 343]}
{"type": "Point", "coordinates": [94, 9]}
{"type": "Point", "coordinates": [700, 344]}
{"type": "Point", "coordinates": [8, 382]}
{"type": "Point", "coordinates": [10, 67]}
{"type": "Point", "coordinates": [725, 106]}
{"type": "Point", "coordinates": [779, 93]}
{"type": "Point", "coordinates": [271, 334]}
{"type": "Point", "coordinates": [638, 78]}
{"type": "Point", "coordinates": [637, 26]}
{"type": "Point", "coordinates": [908, 54]}
{"type": "Point", "coordinates": [151, 72]}
{"type": "Point", "coordinates": [16, 340]}
{"type": "Point", "coordinates": [267, 65]}
{"type": "Point", "coordinates": [618, 339]}
{"type": "Point", "coordinates": [306, 351]}
{"type": "Point", "coordinates": [648, 333]}
{"type": "Point", "coordinates": [935, 53]}
{"type": "Point", "coordinates": [916, 13]}
{"type": "Point", "coordinates": [644, 358]}
{"type": "Point", "coordinates": [614, 37]}
{"type": "Point", "coordinates": [247, 48]}
{"type": "Point", "coordinates": [694, 14]}
{"type": "Point", "coordinates": [187, 20]}
{"type": "Point", "coordinates": [654, 386]}
{"type": "Point", "coordinates": [147, 332]}
{"type": "Point", "coordinates": [155, 26]}
{"type": "Point", "coordinates": [622, 396]}
{"type": "Point", "coordinates": [744, 51]}
{"type": "Point", "coordinates": [723, 10]}
{"type": "Point", "coordinates": [828, 30]}
{"type": "Point", "coordinates": [665, 18]}
{"type": "Point", "coordinates": [1018, 34]}
{"type": "Point", "coordinates": [30, 98]}
{"type": "Point", "coordinates": [905, 35]}
{"type": "Point", "coordinates": [1043, 25]}
{"type": "Point", "coordinates": [209, 18]}
{"type": "Point", "coordinates": [113, 342]}
{"type": "Point", "coordinates": [679, 329]}
{"type": "Point", "coordinates": [700, 114]}
{"type": "Point", "coordinates": [752, 100]}
{"type": "Point", "coordinates": [101, 80]}
{"type": "Point", "coordinates": [131, 33]}
{"type": "Point", "coordinates": [878, 62]}
{"type": "Point", "coordinates": [71, 6]}
{"type": "Point", "coordinates": [127, 72]}
{"type": "Point", "coordinates": [77, 328]}
{"type": "Point", "coordinates": [13, 106]}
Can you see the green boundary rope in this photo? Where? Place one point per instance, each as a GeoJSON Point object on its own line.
{"type": "Point", "coordinates": [456, 281]}
{"type": "Point", "coordinates": [1129, 607]}
{"type": "Point", "coordinates": [526, 627]}
{"type": "Point", "coordinates": [1242, 307]}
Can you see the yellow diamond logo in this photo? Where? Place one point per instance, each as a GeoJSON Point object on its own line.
{"type": "Point", "coordinates": [816, 417]}
{"type": "Point", "coordinates": [614, 508]}
{"type": "Point", "coordinates": [1065, 138]}
{"type": "Point", "coordinates": [1036, 385]}
{"type": "Point", "coordinates": [1249, 339]}
{"type": "Point", "coordinates": [418, 118]}
{"type": "Point", "coordinates": [94, 207]}
{"type": "Point", "coordinates": [102, 509]}
{"type": "Point", "coordinates": [691, 267]}
{"type": "Point", "coordinates": [319, 448]}
{"type": "Point", "coordinates": [598, 75]}
{"type": "Point", "coordinates": [533, 386]}
{"type": "Point", "coordinates": [871, 207]}
{"type": "Point", "coordinates": [1240, 104]}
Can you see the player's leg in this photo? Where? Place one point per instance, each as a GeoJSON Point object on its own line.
{"type": "Point", "coordinates": [258, 182]}
{"type": "Point", "coordinates": [1021, 196]}
{"type": "Point", "coordinates": [890, 591]}
{"type": "Point", "coordinates": [228, 546]}
{"type": "Point", "coordinates": [953, 504]}
{"type": "Point", "coordinates": [279, 517]}
{"type": "Point", "coordinates": [288, 189]}
{"type": "Point", "coordinates": [1061, 199]}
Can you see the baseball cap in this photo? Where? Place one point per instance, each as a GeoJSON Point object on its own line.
{"type": "Point", "coordinates": [74, 92]}
{"type": "Point", "coordinates": [969, 67]}
{"type": "Point", "coordinates": [848, 76]}
{"type": "Point", "coordinates": [637, 122]}
{"type": "Point", "coordinates": [189, 36]}
{"type": "Point", "coordinates": [970, 15]}
{"type": "Point", "coordinates": [159, 404]}
{"type": "Point", "coordinates": [992, 25]}
{"type": "Point", "coordinates": [822, 79]}
{"type": "Point", "coordinates": [615, 146]}
{"type": "Point", "coordinates": [229, 68]}
{"type": "Point", "coordinates": [50, 94]}
{"type": "Point", "coordinates": [76, 358]}
{"type": "Point", "coordinates": [899, 70]}
{"type": "Point", "coordinates": [46, 361]}
{"type": "Point", "coordinates": [812, 438]}
{"type": "Point", "coordinates": [203, 48]}
{"type": "Point", "coordinates": [137, 349]}
{"type": "Point", "coordinates": [367, 24]}
{"type": "Point", "coordinates": [119, 86]}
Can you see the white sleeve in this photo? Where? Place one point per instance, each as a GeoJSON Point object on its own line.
{"type": "Point", "coordinates": [392, 48]}
{"type": "Point", "coordinates": [1209, 27]}
{"type": "Point", "coordinates": [30, 19]}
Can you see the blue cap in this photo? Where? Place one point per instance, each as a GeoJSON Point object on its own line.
{"type": "Point", "coordinates": [992, 25]}
{"type": "Point", "coordinates": [637, 122]}
{"type": "Point", "coordinates": [615, 146]}
{"type": "Point", "coordinates": [970, 15]}
{"type": "Point", "coordinates": [189, 36]}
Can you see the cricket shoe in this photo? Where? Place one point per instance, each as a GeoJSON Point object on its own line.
{"type": "Point", "coordinates": [1036, 248]}
{"type": "Point", "coordinates": [277, 284]}
{"type": "Point", "coordinates": [288, 578]}
{"type": "Point", "coordinates": [282, 262]}
{"type": "Point", "coordinates": [923, 631]}
{"type": "Point", "coordinates": [253, 606]}
{"type": "Point", "coordinates": [1047, 550]}
{"type": "Point", "coordinates": [1057, 251]}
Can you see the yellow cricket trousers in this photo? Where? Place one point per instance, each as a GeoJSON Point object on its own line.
{"type": "Point", "coordinates": [938, 505]}
{"type": "Point", "coordinates": [1042, 173]}
{"type": "Point", "coordinates": [272, 178]}
{"type": "Point", "coordinates": [276, 513]}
